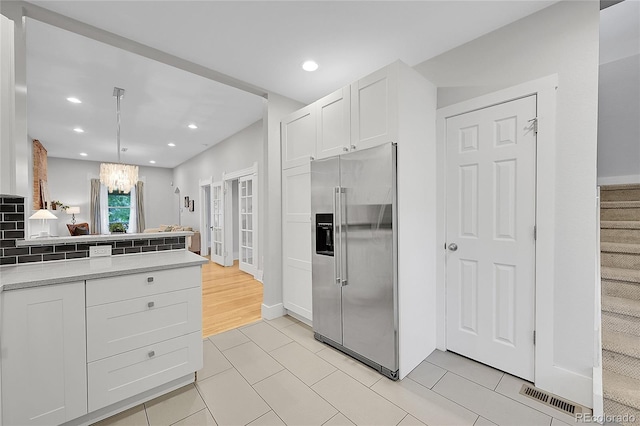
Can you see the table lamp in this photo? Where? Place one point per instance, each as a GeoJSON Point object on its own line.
{"type": "Point", "coordinates": [44, 215]}
{"type": "Point", "coordinates": [72, 211]}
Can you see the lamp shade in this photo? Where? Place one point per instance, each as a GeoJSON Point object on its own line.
{"type": "Point", "coordinates": [73, 210]}
{"type": "Point", "coordinates": [43, 214]}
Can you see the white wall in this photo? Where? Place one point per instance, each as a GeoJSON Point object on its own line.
{"type": "Point", "coordinates": [618, 123]}
{"type": "Point", "coordinates": [237, 152]}
{"type": "Point", "coordinates": [562, 40]}
{"type": "Point", "coordinates": [69, 182]}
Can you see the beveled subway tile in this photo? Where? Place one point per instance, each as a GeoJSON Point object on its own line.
{"type": "Point", "coordinates": [231, 399]}
{"type": "Point", "coordinates": [293, 401]}
{"type": "Point", "coordinates": [356, 401]}
{"type": "Point", "coordinates": [489, 404]}
{"type": "Point", "coordinates": [252, 362]}
{"type": "Point", "coordinates": [174, 406]}
{"type": "Point", "coordinates": [269, 419]}
{"type": "Point", "coordinates": [265, 336]}
{"type": "Point", "coordinates": [228, 339]}
{"type": "Point", "coordinates": [423, 403]}
{"type": "Point", "coordinates": [303, 363]}
{"type": "Point", "coordinates": [214, 361]}
{"type": "Point", "coordinates": [427, 374]}
{"type": "Point", "coordinates": [467, 368]}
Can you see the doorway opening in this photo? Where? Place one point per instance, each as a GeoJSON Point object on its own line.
{"type": "Point", "coordinates": [232, 294]}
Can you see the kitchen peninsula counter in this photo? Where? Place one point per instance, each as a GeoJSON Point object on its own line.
{"type": "Point", "coordinates": [48, 273]}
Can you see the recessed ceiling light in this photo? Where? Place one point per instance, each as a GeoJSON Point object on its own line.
{"type": "Point", "coordinates": [310, 66]}
{"type": "Point", "coordinates": [192, 126]}
{"type": "Point", "coordinates": [83, 154]}
{"type": "Point", "coordinates": [78, 130]}
{"type": "Point", "coordinates": [74, 100]}
{"type": "Point", "coordinates": [152, 161]}
{"type": "Point", "coordinates": [171, 144]}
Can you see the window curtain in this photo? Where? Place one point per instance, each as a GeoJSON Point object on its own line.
{"type": "Point", "coordinates": [136, 209]}
{"type": "Point", "coordinates": [104, 209]}
{"type": "Point", "coordinates": [95, 210]}
{"type": "Point", "coordinates": [133, 212]}
{"type": "Point", "coordinates": [139, 201]}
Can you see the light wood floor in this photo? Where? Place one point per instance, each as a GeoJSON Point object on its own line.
{"type": "Point", "coordinates": [230, 298]}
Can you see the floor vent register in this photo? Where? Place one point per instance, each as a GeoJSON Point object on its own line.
{"type": "Point", "coordinates": [551, 400]}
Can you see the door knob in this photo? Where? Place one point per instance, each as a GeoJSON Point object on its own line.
{"type": "Point", "coordinates": [453, 247]}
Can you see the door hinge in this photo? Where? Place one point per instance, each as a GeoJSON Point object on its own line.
{"type": "Point", "coordinates": [535, 233]}
{"type": "Point", "coordinates": [534, 121]}
{"type": "Point", "coordinates": [534, 337]}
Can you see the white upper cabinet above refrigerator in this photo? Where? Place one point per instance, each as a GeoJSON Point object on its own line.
{"type": "Point", "coordinates": [374, 108]}
{"type": "Point", "coordinates": [333, 123]}
{"type": "Point", "coordinates": [299, 137]}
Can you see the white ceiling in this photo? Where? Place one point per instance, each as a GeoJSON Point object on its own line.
{"type": "Point", "coordinates": [260, 42]}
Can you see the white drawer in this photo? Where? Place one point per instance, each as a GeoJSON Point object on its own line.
{"type": "Point", "coordinates": [118, 327]}
{"type": "Point", "coordinates": [113, 289]}
{"type": "Point", "coordinates": [122, 376]}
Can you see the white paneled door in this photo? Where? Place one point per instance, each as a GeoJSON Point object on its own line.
{"type": "Point", "coordinates": [217, 223]}
{"type": "Point", "coordinates": [247, 200]}
{"type": "Point", "coordinates": [491, 158]}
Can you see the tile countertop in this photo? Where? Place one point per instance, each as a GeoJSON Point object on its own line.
{"type": "Point", "coordinates": [102, 237]}
{"type": "Point", "coordinates": [47, 273]}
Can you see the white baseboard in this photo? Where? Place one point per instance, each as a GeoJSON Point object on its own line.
{"type": "Point", "coordinates": [618, 180]}
{"type": "Point", "coordinates": [272, 312]}
{"type": "Point", "coordinates": [258, 276]}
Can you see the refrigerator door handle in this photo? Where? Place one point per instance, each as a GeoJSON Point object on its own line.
{"type": "Point", "coordinates": [337, 242]}
{"type": "Point", "coordinates": [343, 248]}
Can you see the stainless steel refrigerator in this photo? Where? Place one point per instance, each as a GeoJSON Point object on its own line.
{"type": "Point", "coordinates": [354, 258]}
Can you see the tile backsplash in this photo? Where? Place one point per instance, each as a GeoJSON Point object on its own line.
{"type": "Point", "coordinates": [12, 229]}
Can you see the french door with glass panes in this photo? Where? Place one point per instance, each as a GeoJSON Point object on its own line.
{"type": "Point", "coordinates": [217, 223]}
{"type": "Point", "coordinates": [248, 206]}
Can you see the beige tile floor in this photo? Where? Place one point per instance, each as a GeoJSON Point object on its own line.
{"type": "Point", "coordinates": [275, 373]}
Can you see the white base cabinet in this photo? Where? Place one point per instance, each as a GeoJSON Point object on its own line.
{"type": "Point", "coordinates": [67, 358]}
{"type": "Point", "coordinates": [44, 367]}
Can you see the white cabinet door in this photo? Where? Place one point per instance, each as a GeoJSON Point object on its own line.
{"type": "Point", "coordinates": [299, 137]}
{"type": "Point", "coordinates": [374, 109]}
{"type": "Point", "coordinates": [44, 361]}
{"type": "Point", "coordinates": [333, 123]}
{"type": "Point", "coordinates": [296, 242]}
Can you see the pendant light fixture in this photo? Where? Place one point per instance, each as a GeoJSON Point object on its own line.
{"type": "Point", "coordinates": [118, 177]}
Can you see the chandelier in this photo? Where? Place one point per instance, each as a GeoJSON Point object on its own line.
{"type": "Point", "coordinates": [118, 176]}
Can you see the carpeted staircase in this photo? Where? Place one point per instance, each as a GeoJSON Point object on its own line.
{"type": "Point", "coordinates": [620, 259]}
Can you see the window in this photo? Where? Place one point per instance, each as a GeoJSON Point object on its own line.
{"type": "Point", "coordinates": [119, 208]}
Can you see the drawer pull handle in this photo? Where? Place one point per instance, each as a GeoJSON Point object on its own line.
{"type": "Point", "coordinates": [149, 279]}
{"type": "Point", "coordinates": [150, 304]}
{"type": "Point", "coordinates": [152, 354]}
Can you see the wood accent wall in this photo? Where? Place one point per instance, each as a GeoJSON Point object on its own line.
{"type": "Point", "coordinates": [39, 173]}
